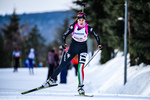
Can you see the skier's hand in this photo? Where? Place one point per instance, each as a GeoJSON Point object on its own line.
{"type": "Point", "coordinates": [64, 46]}
{"type": "Point", "coordinates": [100, 47]}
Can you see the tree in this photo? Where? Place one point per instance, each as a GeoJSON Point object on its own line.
{"type": "Point", "coordinates": [112, 28]}
{"type": "Point", "coordinates": [139, 28]}
{"type": "Point", "coordinates": [12, 37]}
{"type": "Point", "coordinates": [60, 31]}
{"type": "Point", "coordinates": [103, 15]}
{"type": "Point", "coordinates": [36, 41]}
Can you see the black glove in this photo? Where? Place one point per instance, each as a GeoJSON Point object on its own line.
{"type": "Point", "coordinates": [64, 46]}
{"type": "Point", "coordinates": [100, 47]}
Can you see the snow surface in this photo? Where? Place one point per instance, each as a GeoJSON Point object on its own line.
{"type": "Point", "coordinates": [105, 82]}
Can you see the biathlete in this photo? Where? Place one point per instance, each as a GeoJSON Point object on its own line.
{"type": "Point", "coordinates": [79, 30]}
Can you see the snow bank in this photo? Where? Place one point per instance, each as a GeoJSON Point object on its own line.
{"type": "Point", "coordinates": [109, 78]}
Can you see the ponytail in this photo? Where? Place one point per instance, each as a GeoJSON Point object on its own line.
{"type": "Point", "coordinates": [75, 21]}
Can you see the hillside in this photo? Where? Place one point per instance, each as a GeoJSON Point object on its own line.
{"type": "Point", "coordinates": [47, 22]}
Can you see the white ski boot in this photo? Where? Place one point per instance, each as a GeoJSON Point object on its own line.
{"type": "Point", "coordinates": [49, 82]}
{"type": "Point", "coordinates": [81, 90]}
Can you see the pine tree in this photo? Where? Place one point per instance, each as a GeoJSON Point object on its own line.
{"type": "Point", "coordinates": [12, 37]}
{"type": "Point", "coordinates": [36, 41]}
{"type": "Point", "coordinates": [103, 15]}
{"type": "Point", "coordinates": [139, 28]}
{"type": "Point", "coordinates": [60, 31]}
{"type": "Point", "coordinates": [112, 28]}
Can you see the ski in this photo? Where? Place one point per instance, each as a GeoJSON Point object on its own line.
{"type": "Point", "coordinates": [38, 88]}
{"type": "Point", "coordinates": [85, 95]}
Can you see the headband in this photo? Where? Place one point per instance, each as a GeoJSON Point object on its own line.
{"type": "Point", "coordinates": [81, 16]}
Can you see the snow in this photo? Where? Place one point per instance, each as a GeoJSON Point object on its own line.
{"type": "Point", "coordinates": [105, 82]}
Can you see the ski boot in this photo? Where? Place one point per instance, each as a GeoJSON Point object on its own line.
{"type": "Point", "coordinates": [49, 82]}
{"type": "Point", "coordinates": [80, 90]}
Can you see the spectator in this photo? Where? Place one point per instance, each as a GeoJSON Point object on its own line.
{"type": "Point", "coordinates": [63, 74]}
{"type": "Point", "coordinates": [56, 60]}
{"type": "Point", "coordinates": [51, 63]}
{"type": "Point", "coordinates": [16, 54]}
{"type": "Point", "coordinates": [31, 56]}
{"type": "Point", "coordinates": [26, 63]}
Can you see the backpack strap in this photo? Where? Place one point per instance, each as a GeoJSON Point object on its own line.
{"type": "Point", "coordinates": [86, 28]}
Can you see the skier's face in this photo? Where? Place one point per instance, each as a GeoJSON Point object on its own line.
{"type": "Point", "coordinates": [81, 22]}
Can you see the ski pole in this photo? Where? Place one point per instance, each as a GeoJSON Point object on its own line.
{"type": "Point", "coordinates": [83, 5]}
{"type": "Point", "coordinates": [92, 58]}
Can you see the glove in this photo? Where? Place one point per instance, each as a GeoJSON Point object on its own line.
{"type": "Point", "coordinates": [100, 47]}
{"type": "Point", "coordinates": [64, 46]}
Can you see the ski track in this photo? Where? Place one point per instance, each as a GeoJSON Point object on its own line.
{"type": "Point", "coordinates": [12, 84]}
{"type": "Point", "coordinates": [67, 96]}
{"type": "Point", "coordinates": [109, 87]}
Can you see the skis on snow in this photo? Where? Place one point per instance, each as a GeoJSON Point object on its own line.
{"type": "Point", "coordinates": [85, 95]}
{"type": "Point", "coordinates": [38, 88]}
{"type": "Point", "coordinates": [42, 87]}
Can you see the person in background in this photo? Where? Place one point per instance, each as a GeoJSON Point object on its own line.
{"type": "Point", "coordinates": [56, 60]}
{"type": "Point", "coordinates": [31, 56]}
{"type": "Point", "coordinates": [26, 63]}
{"type": "Point", "coordinates": [60, 52]}
{"type": "Point", "coordinates": [51, 63]}
{"type": "Point", "coordinates": [16, 55]}
{"type": "Point", "coordinates": [63, 74]}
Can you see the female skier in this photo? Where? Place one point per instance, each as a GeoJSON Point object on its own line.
{"type": "Point", "coordinates": [80, 30]}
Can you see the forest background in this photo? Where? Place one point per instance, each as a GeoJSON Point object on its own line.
{"type": "Point", "coordinates": [105, 16]}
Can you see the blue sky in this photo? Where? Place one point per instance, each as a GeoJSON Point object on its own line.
{"type": "Point", "coordinates": [32, 6]}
